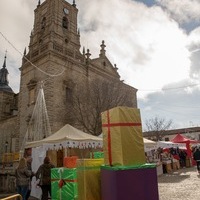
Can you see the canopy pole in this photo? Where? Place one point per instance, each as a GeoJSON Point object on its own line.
{"type": "Point", "coordinates": [65, 152]}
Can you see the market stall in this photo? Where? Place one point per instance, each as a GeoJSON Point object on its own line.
{"type": "Point", "coordinates": [65, 142]}
{"type": "Point", "coordinates": [169, 144]}
{"type": "Point", "coordinates": [149, 145]}
{"type": "Point", "coordinates": [187, 141]}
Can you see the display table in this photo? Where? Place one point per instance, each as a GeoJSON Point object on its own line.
{"type": "Point", "coordinates": [167, 166]}
{"type": "Point", "coordinates": [159, 169]}
{"type": "Point", "coordinates": [188, 162]}
{"type": "Point", "coordinates": [175, 164]}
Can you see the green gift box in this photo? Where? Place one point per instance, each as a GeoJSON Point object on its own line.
{"type": "Point", "coordinates": [97, 154]}
{"type": "Point", "coordinates": [64, 183]}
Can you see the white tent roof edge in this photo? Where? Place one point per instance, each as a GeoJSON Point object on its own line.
{"type": "Point", "coordinates": [68, 136]}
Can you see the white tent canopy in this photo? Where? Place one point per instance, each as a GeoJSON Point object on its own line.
{"type": "Point", "coordinates": [169, 144]}
{"type": "Point", "coordinates": [149, 144]}
{"type": "Point", "coordinates": [68, 136]}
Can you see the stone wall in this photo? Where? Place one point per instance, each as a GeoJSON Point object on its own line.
{"type": "Point", "coordinates": [9, 133]}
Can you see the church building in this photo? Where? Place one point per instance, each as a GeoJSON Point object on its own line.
{"type": "Point", "coordinates": [56, 62]}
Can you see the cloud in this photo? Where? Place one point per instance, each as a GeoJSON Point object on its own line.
{"type": "Point", "coordinates": [183, 11]}
{"type": "Point", "coordinates": [150, 50]}
{"type": "Point", "coordinates": [16, 23]}
{"type": "Point", "coordinates": [194, 48]}
{"type": "Point", "coordinates": [178, 104]}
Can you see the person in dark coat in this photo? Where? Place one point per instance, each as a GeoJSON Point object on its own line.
{"type": "Point", "coordinates": [44, 174]}
{"type": "Point", "coordinates": [182, 155]}
{"type": "Point", "coordinates": [22, 174]}
{"type": "Point", "coordinates": [196, 156]}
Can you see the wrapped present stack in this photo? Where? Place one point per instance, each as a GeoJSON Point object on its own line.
{"type": "Point", "coordinates": [89, 184]}
{"type": "Point", "coordinates": [64, 183]}
{"type": "Point", "coordinates": [98, 154]}
{"type": "Point", "coordinates": [70, 162]}
{"type": "Point", "coordinates": [126, 174]}
{"type": "Point", "coordinates": [122, 137]}
{"type": "Point", "coordinates": [79, 179]}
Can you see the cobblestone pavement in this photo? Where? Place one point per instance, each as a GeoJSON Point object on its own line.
{"type": "Point", "coordinates": [182, 184]}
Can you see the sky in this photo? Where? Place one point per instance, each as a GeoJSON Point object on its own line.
{"type": "Point", "coordinates": [154, 43]}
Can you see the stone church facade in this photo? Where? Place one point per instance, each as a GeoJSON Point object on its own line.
{"type": "Point", "coordinates": [54, 59]}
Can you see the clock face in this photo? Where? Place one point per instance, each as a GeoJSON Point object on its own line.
{"type": "Point", "coordinates": [66, 11]}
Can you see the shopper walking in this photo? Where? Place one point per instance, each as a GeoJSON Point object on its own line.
{"type": "Point", "coordinates": [29, 161]}
{"type": "Point", "coordinates": [22, 174]}
{"type": "Point", "coordinates": [196, 156]}
{"type": "Point", "coordinates": [44, 174]}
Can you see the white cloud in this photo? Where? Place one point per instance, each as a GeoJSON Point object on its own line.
{"type": "Point", "coordinates": [182, 10]}
{"type": "Point", "coordinates": [16, 22]}
{"type": "Point", "coordinates": [150, 49]}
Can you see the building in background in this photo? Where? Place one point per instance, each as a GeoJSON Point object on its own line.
{"type": "Point", "coordinates": [167, 135]}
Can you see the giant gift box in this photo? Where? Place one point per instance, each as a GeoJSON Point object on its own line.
{"type": "Point", "coordinates": [122, 137]}
{"type": "Point", "coordinates": [64, 183]}
{"type": "Point", "coordinates": [98, 154]}
{"type": "Point", "coordinates": [88, 176]}
{"type": "Point", "coordinates": [137, 182]}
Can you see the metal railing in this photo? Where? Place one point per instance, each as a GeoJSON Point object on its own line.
{"type": "Point", "coordinates": [15, 196]}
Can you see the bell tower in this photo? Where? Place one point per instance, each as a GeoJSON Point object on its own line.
{"type": "Point", "coordinates": [54, 59]}
{"type": "Point", "coordinates": [55, 27]}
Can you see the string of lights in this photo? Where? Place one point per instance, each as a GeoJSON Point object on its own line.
{"type": "Point", "coordinates": [171, 88]}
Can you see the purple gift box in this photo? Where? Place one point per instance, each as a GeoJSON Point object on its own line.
{"type": "Point", "coordinates": [129, 183]}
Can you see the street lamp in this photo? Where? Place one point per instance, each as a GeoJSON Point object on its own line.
{"type": "Point", "coordinates": [6, 146]}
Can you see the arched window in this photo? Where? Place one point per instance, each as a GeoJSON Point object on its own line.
{"type": "Point", "coordinates": [43, 24]}
{"type": "Point", "coordinates": [32, 90]}
{"type": "Point", "coordinates": [69, 95]}
{"type": "Point", "coordinates": [31, 95]}
{"type": "Point", "coordinates": [65, 22]}
{"type": "Point", "coordinates": [7, 108]}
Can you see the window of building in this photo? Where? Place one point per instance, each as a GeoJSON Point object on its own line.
{"type": "Point", "coordinates": [166, 139]}
{"type": "Point", "coordinates": [7, 108]}
{"type": "Point", "coordinates": [65, 22]}
{"type": "Point", "coordinates": [43, 23]}
{"type": "Point", "coordinates": [69, 95]}
{"type": "Point", "coordinates": [32, 90]}
{"type": "Point", "coordinates": [32, 96]}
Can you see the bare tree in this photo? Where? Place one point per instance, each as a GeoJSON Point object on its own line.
{"type": "Point", "coordinates": [157, 126]}
{"type": "Point", "coordinates": [88, 104]}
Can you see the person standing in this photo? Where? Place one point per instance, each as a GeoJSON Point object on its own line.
{"type": "Point", "coordinates": [196, 157]}
{"type": "Point", "coordinates": [22, 174]}
{"type": "Point", "coordinates": [182, 155]}
{"type": "Point", "coordinates": [29, 162]}
{"type": "Point", "coordinates": [44, 174]}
